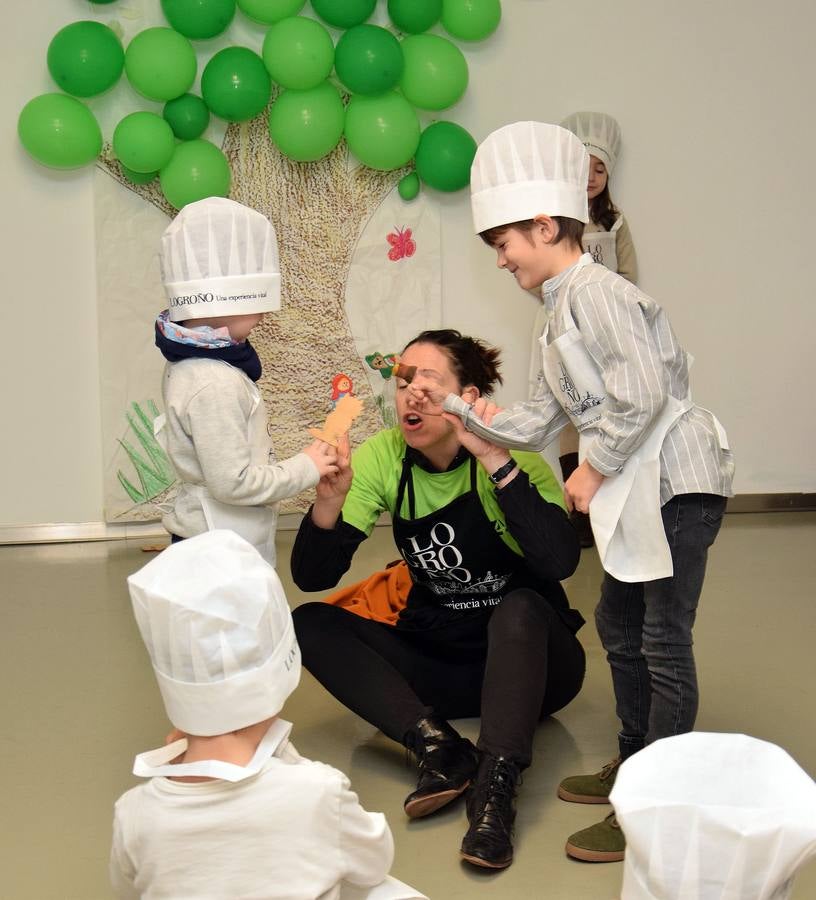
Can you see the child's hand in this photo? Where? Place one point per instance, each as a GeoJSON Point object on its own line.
{"type": "Point", "coordinates": [425, 394]}
{"type": "Point", "coordinates": [333, 487]}
{"type": "Point", "coordinates": [581, 487]}
{"type": "Point", "coordinates": [324, 456]}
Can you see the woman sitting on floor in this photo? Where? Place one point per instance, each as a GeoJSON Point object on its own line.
{"type": "Point", "coordinates": [476, 623]}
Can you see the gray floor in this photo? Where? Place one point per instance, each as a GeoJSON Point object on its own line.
{"type": "Point", "coordinates": [79, 701]}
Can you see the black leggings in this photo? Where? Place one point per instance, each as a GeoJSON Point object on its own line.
{"type": "Point", "coordinates": [512, 666]}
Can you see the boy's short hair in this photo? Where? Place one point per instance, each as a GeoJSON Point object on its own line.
{"type": "Point", "coordinates": [570, 230]}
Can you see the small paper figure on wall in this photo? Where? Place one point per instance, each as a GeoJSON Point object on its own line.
{"type": "Point", "coordinates": [402, 244]}
{"type": "Point", "coordinates": [341, 386]}
{"type": "Point", "coordinates": [382, 362]}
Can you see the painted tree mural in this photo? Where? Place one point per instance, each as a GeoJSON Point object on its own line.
{"type": "Point", "coordinates": [319, 131]}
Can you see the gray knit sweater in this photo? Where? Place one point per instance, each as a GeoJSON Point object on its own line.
{"type": "Point", "coordinates": [217, 438]}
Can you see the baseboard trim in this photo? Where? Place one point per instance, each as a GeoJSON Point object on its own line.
{"type": "Point", "coordinates": [754, 503]}
{"type": "Point", "coordinates": [60, 533]}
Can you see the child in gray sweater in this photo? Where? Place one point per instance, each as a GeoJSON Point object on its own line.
{"type": "Point", "coordinates": [221, 274]}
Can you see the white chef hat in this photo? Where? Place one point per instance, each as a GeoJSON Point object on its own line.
{"type": "Point", "coordinates": [219, 258]}
{"type": "Point", "coordinates": [599, 133]}
{"type": "Point", "coordinates": [713, 817]}
{"type": "Point", "coordinates": [219, 632]}
{"type": "Point", "coordinates": [528, 169]}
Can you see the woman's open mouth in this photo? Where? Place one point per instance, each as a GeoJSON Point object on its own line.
{"type": "Point", "coordinates": [411, 421]}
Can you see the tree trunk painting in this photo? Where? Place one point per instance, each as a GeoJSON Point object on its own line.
{"type": "Point", "coordinates": [319, 211]}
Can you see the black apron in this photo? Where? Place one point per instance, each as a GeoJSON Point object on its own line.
{"type": "Point", "coordinates": [460, 566]}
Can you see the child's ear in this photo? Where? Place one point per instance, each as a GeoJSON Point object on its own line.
{"type": "Point", "coordinates": [547, 227]}
{"type": "Point", "coordinates": [471, 393]}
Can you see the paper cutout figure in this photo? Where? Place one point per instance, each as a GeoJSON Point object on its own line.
{"type": "Point", "coordinates": [402, 244]}
{"type": "Point", "coordinates": [382, 362]}
{"type": "Point", "coordinates": [339, 420]}
{"type": "Point", "coordinates": [341, 386]}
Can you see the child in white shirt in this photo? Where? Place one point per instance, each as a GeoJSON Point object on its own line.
{"type": "Point", "coordinates": [231, 809]}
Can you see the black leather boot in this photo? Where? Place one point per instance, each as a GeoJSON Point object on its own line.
{"type": "Point", "coordinates": [491, 813]}
{"type": "Point", "coordinates": [447, 763]}
{"type": "Point", "coordinates": [580, 521]}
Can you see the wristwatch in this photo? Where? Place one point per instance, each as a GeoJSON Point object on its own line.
{"type": "Point", "coordinates": [502, 473]}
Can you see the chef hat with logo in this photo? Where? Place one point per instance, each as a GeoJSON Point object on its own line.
{"type": "Point", "coordinates": [219, 632]}
{"type": "Point", "coordinates": [219, 258]}
{"type": "Point", "coordinates": [713, 817]}
{"type": "Point", "coordinates": [599, 133]}
{"type": "Point", "coordinates": [528, 169]}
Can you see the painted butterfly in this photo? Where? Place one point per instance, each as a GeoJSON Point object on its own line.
{"type": "Point", "coordinates": [402, 244]}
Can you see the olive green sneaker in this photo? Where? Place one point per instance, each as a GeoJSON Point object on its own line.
{"type": "Point", "coordinates": [603, 842]}
{"type": "Point", "coordinates": [590, 788]}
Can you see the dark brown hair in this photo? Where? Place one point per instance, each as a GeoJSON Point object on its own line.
{"type": "Point", "coordinates": [473, 361]}
{"type": "Point", "coordinates": [602, 211]}
{"type": "Point", "coordinates": [570, 230]}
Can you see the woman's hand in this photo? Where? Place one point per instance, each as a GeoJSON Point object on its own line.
{"type": "Point", "coordinates": [333, 488]}
{"type": "Point", "coordinates": [581, 487]}
{"type": "Point", "coordinates": [489, 455]}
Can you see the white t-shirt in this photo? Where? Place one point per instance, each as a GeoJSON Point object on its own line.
{"type": "Point", "coordinates": [294, 831]}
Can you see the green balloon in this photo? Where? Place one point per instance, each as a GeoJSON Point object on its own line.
{"type": "Point", "coordinates": [298, 53]}
{"type": "Point", "coordinates": [160, 64]}
{"type": "Point", "coordinates": [471, 20]}
{"type": "Point", "coordinates": [138, 177]}
{"type": "Point", "coordinates": [344, 13]}
{"type": "Point", "coordinates": [143, 141]}
{"type": "Point", "coordinates": [368, 59]}
{"type": "Point", "coordinates": [85, 58]}
{"type": "Point", "coordinates": [409, 186]}
{"type": "Point", "coordinates": [414, 16]}
{"type": "Point", "coordinates": [235, 84]}
{"type": "Point", "coordinates": [59, 131]}
{"type": "Point", "coordinates": [267, 12]}
{"type": "Point", "coordinates": [382, 131]}
{"type": "Point", "coordinates": [444, 156]}
{"type": "Point", "coordinates": [306, 125]}
{"type": "Point", "coordinates": [199, 19]}
{"type": "Point", "coordinates": [187, 115]}
{"type": "Point", "coordinates": [435, 74]}
{"type": "Point", "coordinates": [197, 169]}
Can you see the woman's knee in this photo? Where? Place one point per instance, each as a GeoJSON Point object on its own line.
{"type": "Point", "coordinates": [313, 621]}
{"type": "Point", "coordinates": [522, 614]}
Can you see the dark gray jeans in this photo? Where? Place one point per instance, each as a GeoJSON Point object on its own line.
{"type": "Point", "coordinates": [646, 627]}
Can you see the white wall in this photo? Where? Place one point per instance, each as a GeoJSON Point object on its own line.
{"type": "Point", "coordinates": [714, 100]}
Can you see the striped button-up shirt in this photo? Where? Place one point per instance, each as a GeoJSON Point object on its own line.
{"type": "Point", "coordinates": [631, 341]}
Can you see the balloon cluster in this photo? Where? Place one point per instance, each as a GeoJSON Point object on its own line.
{"type": "Point", "coordinates": [388, 80]}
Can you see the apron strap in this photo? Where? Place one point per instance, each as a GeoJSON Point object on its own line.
{"type": "Point", "coordinates": [406, 480]}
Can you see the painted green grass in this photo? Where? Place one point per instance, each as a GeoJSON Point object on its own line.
{"type": "Point", "coordinates": [150, 463]}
